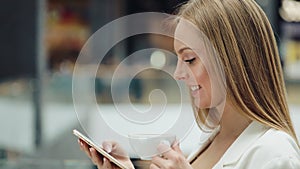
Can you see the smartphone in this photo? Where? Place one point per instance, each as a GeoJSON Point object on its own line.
{"type": "Point", "coordinates": [99, 149]}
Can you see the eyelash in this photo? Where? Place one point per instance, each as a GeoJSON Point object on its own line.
{"type": "Point", "coordinates": [190, 61]}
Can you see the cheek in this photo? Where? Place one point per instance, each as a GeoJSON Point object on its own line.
{"type": "Point", "coordinates": [197, 73]}
{"type": "Point", "coordinates": [206, 83]}
{"type": "Point", "coordinates": [214, 90]}
{"type": "Point", "coordinates": [203, 78]}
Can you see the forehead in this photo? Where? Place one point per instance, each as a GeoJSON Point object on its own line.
{"type": "Point", "coordinates": [187, 35]}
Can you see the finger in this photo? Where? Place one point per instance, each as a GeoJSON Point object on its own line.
{"type": "Point", "coordinates": [95, 157]}
{"type": "Point", "coordinates": [85, 148]}
{"type": "Point", "coordinates": [106, 163]}
{"type": "Point", "coordinates": [165, 150]}
{"type": "Point", "coordinates": [107, 146]}
{"type": "Point", "coordinates": [176, 147]}
{"type": "Point", "coordinates": [158, 161]}
{"type": "Point", "coordinates": [114, 148]}
{"type": "Point", "coordinates": [79, 143]}
{"type": "Point", "coordinates": [153, 166]}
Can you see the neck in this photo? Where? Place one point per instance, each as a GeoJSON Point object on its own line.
{"type": "Point", "coordinates": [232, 123]}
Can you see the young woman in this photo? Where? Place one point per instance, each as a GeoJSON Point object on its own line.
{"type": "Point", "coordinates": [254, 129]}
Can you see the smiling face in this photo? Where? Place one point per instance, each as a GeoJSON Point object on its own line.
{"type": "Point", "coordinates": [192, 71]}
{"type": "Point", "coordinates": [194, 68]}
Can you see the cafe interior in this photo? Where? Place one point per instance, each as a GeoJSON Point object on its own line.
{"type": "Point", "coordinates": [44, 96]}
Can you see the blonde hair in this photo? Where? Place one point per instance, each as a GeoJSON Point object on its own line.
{"type": "Point", "coordinates": [242, 35]}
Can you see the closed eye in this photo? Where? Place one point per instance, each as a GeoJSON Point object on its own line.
{"type": "Point", "coordinates": [190, 61]}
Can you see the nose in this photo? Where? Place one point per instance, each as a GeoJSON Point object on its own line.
{"type": "Point", "coordinates": [180, 73]}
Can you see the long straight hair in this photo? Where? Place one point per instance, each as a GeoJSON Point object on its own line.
{"type": "Point", "coordinates": [242, 35]}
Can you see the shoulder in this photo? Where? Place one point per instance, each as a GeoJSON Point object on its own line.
{"type": "Point", "coordinates": [276, 142]}
{"type": "Point", "coordinates": [260, 146]}
{"type": "Point", "coordinates": [275, 149]}
{"type": "Point", "coordinates": [283, 162]}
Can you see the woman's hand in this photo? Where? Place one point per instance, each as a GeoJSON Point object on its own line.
{"type": "Point", "coordinates": [171, 158]}
{"type": "Point", "coordinates": [102, 162]}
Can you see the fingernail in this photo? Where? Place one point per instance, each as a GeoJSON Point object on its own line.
{"type": "Point", "coordinates": [176, 143]}
{"type": "Point", "coordinates": [163, 147]}
{"type": "Point", "coordinates": [107, 148]}
{"type": "Point", "coordinates": [166, 142]}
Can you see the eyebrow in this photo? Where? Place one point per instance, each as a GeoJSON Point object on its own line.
{"type": "Point", "coordinates": [183, 49]}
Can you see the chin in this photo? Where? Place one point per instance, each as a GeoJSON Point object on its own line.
{"type": "Point", "coordinates": [201, 105]}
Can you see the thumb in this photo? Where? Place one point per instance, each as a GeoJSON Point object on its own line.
{"type": "Point", "coordinates": [163, 147]}
{"type": "Point", "coordinates": [176, 147]}
{"type": "Point", "coordinates": [107, 146]}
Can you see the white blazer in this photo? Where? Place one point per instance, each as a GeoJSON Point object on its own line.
{"type": "Point", "coordinates": [258, 147]}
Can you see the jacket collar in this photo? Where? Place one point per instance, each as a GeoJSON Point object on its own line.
{"type": "Point", "coordinates": [247, 138]}
{"type": "Point", "coordinates": [205, 140]}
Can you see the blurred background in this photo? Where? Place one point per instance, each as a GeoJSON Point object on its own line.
{"type": "Point", "coordinates": [40, 42]}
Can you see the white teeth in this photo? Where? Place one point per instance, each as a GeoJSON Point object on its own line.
{"type": "Point", "coordinates": [193, 88]}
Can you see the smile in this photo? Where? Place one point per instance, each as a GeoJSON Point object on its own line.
{"type": "Point", "coordinates": [195, 87]}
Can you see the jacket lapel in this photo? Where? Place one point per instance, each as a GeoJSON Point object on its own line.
{"type": "Point", "coordinates": [247, 138]}
{"type": "Point", "coordinates": [205, 140]}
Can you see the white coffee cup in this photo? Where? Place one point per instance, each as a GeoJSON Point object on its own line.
{"type": "Point", "coordinates": [145, 145]}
